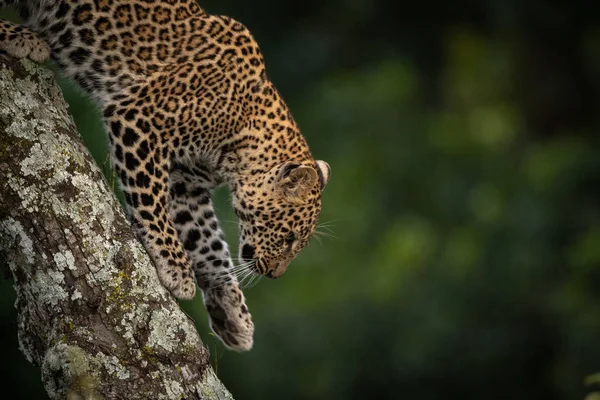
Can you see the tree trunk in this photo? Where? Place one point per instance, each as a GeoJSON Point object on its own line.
{"type": "Point", "coordinates": [91, 310]}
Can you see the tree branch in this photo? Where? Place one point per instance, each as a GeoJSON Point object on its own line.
{"type": "Point", "coordinates": [91, 310]}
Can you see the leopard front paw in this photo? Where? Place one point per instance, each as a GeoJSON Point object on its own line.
{"type": "Point", "coordinates": [24, 43]}
{"type": "Point", "coordinates": [229, 317]}
{"type": "Point", "coordinates": [177, 277]}
{"type": "Point", "coordinates": [185, 288]}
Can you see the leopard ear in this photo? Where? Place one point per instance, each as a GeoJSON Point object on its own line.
{"type": "Point", "coordinates": [324, 171]}
{"type": "Point", "coordinates": [296, 181]}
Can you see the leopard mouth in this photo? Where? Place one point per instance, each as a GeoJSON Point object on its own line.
{"type": "Point", "coordinates": [270, 268]}
{"type": "Point", "coordinates": [260, 267]}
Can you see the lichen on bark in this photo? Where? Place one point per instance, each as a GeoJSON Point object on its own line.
{"type": "Point", "coordinates": [91, 310]}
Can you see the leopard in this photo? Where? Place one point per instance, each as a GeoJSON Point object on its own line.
{"type": "Point", "coordinates": [188, 107]}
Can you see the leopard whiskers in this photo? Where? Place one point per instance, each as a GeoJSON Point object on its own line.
{"type": "Point", "coordinates": [324, 230]}
{"type": "Point", "coordinates": [322, 234]}
{"type": "Point", "coordinates": [243, 269]}
{"type": "Point", "coordinates": [327, 224]}
{"type": "Point", "coordinates": [221, 278]}
{"type": "Point", "coordinates": [246, 277]}
{"type": "Point", "coordinates": [254, 280]}
{"type": "Point", "coordinates": [236, 223]}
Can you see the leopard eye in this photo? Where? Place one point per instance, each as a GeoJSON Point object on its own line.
{"type": "Point", "coordinates": [290, 238]}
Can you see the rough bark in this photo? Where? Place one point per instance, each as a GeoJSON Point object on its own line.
{"type": "Point", "coordinates": [91, 310]}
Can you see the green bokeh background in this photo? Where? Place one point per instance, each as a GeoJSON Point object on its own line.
{"type": "Point", "coordinates": [464, 204]}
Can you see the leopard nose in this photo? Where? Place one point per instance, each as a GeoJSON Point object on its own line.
{"type": "Point", "coordinates": [278, 269]}
{"type": "Point", "coordinates": [248, 252]}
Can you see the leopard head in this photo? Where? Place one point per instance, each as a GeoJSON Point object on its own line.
{"type": "Point", "coordinates": [278, 213]}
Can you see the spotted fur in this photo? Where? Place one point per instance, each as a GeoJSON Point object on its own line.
{"type": "Point", "coordinates": [188, 107]}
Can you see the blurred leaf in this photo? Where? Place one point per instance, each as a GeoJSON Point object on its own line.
{"type": "Point", "coordinates": [463, 251]}
{"type": "Point", "coordinates": [486, 203]}
{"type": "Point", "coordinates": [585, 252]}
{"type": "Point", "coordinates": [593, 379]}
{"type": "Point", "coordinates": [405, 249]}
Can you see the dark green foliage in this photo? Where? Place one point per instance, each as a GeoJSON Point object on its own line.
{"type": "Point", "coordinates": [464, 201]}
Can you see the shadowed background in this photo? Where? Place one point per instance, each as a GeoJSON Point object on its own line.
{"type": "Point", "coordinates": [464, 204]}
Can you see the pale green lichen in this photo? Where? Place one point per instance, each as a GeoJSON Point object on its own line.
{"type": "Point", "coordinates": [23, 96]}
{"type": "Point", "coordinates": [132, 319]}
{"type": "Point", "coordinates": [13, 230]}
{"type": "Point", "coordinates": [112, 365]}
{"type": "Point", "coordinates": [43, 156]}
{"type": "Point", "coordinates": [45, 284]}
{"type": "Point", "coordinates": [211, 387]}
{"type": "Point", "coordinates": [164, 329]}
{"type": "Point", "coordinates": [64, 260]}
{"type": "Point", "coordinates": [174, 390]}
{"type": "Point", "coordinates": [47, 287]}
